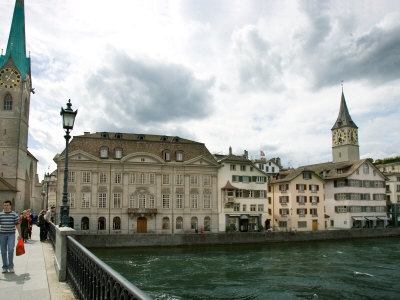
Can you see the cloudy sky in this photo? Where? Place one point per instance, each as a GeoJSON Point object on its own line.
{"type": "Point", "coordinates": [254, 75]}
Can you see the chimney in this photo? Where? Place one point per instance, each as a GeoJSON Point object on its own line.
{"type": "Point", "coordinates": [230, 150]}
{"type": "Point", "coordinates": [246, 154]}
{"type": "Point", "coordinates": [86, 133]}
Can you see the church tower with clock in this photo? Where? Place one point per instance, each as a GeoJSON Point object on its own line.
{"type": "Point", "coordinates": [17, 165]}
{"type": "Point", "coordinates": [344, 136]}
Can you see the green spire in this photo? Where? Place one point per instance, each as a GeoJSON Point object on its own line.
{"type": "Point", "coordinates": [16, 41]}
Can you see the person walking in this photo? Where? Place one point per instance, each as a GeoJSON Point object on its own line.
{"type": "Point", "coordinates": [47, 218]}
{"type": "Point", "coordinates": [8, 222]}
{"type": "Point", "coordinates": [25, 225]}
{"type": "Point", "coordinates": [29, 214]}
{"type": "Point", "coordinates": [42, 225]}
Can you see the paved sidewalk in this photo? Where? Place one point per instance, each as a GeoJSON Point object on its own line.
{"type": "Point", "coordinates": [35, 275]}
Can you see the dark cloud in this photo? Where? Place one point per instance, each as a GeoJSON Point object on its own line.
{"type": "Point", "coordinates": [330, 52]}
{"type": "Point", "coordinates": [259, 66]}
{"type": "Point", "coordinates": [148, 93]}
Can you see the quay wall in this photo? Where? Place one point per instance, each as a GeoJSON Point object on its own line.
{"type": "Point", "coordinates": [162, 240]}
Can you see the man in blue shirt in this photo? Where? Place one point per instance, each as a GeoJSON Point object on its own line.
{"type": "Point", "coordinates": [8, 222]}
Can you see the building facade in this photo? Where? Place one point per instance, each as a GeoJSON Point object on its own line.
{"type": "Point", "coordinates": [242, 194]}
{"type": "Point", "coordinates": [18, 174]}
{"type": "Point", "coordinates": [298, 201]}
{"type": "Point", "coordinates": [271, 166]}
{"type": "Point", "coordinates": [132, 183]}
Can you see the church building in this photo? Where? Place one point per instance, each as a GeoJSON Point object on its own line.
{"type": "Point", "coordinates": [18, 175]}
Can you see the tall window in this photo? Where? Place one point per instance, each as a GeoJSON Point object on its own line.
{"type": "Point", "coordinates": [117, 178]}
{"type": "Point", "coordinates": [194, 200]}
{"type": "Point", "coordinates": [179, 223]}
{"type": "Point", "coordinates": [102, 200]}
{"type": "Point", "coordinates": [85, 223]}
{"type": "Point", "coordinates": [132, 178]}
{"type": "Point", "coordinates": [233, 167]}
{"type": "Point", "coordinates": [206, 180]}
{"type": "Point", "coordinates": [117, 223]}
{"type": "Point", "coordinates": [152, 178]}
{"type": "Point", "coordinates": [365, 169]}
{"type": "Point", "coordinates": [85, 203]}
{"type": "Point", "coordinates": [117, 200]}
{"type": "Point", "coordinates": [179, 155]}
{"type": "Point", "coordinates": [71, 176]}
{"type": "Point", "coordinates": [179, 201]}
{"type": "Point", "coordinates": [193, 223]}
{"type": "Point", "coordinates": [166, 155]}
{"type": "Point", "coordinates": [151, 202]}
{"type": "Point", "coordinates": [194, 179]}
{"type": "Point", "coordinates": [103, 177]}
{"type": "Point", "coordinates": [104, 152]}
{"type": "Point", "coordinates": [165, 223]}
{"type": "Point", "coordinates": [260, 207]}
{"type": "Point", "coordinates": [71, 200]}
{"type": "Point", "coordinates": [142, 178]}
{"type": "Point", "coordinates": [131, 201]}
{"type": "Point", "coordinates": [142, 201]}
{"type": "Point", "coordinates": [7, 102]}
{"type": "Point", "coordinates": [86, 176]}
{"type": "Point", "coordinates": [207, 201]}
{"type": "Point", "coordinates": [101, 224]}
{"type": "Point", "coordinates": [118, 152]}
{"type": "Point", "coordinates": [207, 224]}
{"type": "Point", "coordinates": [165, 179]}
{"type": "Point", "coordinates": [165, 201]}
{"type": "Point", "coordinates": [179, 179]}
{"type": "Point", "coordinates": [253, 207]}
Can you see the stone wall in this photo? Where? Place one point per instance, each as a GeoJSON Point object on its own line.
{"type": "Point", "coordinates": [143, 240]}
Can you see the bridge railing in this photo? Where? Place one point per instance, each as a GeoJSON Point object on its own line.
{"type": "Point", "coordinates": [52, 234]}
{"type": "Point", "coordinates": [91, 278]}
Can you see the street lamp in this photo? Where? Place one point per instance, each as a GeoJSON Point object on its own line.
{"type": "Point", "coordinates": [47, 178]}
{"type": "Point", "coordinates": [68, 116]}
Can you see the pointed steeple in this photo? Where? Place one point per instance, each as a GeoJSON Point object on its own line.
{"type": "Point", "coordinates": [16, 48]}
{"type": "Point", "coordinates": [344, 119]}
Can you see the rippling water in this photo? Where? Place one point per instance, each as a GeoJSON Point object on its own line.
{"type": "Point", "coordinates": [349, 269]}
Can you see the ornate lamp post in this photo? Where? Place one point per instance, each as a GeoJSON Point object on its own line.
{"type": "Point", "coordinates": [68, 116]}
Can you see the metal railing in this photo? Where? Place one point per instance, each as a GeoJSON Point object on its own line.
{"type": "Point", "coordinates": [90, 278]}
{"type": "Point", "coordinates": [52, 234]}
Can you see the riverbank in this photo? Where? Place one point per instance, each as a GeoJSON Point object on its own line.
{"type": "Point", "coordinates": [165, 240]}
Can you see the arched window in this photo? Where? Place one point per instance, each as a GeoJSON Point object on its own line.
{"type": "Point", "coordinates": [101, 224]}
{"type": "Point", "coordinates": [179, 223]}
{"type": "Point", "coordinates": [193, 223]}
{"type": "Point", "coordinates": [165, 223]}
{"type": "Point", "coordinates": [166, 155]}
{"type": "Point", "coordinates": [207, 223]}
{"type": "Point", "coordinates": [85, 223]}
{"type": "Point", "coordinates": [8, 102]}
{"type": "Point", "coordinates": [117, 223]}
{"type": "Point", "coordinates": [71, 222]}
{"type": "Point", "coordinates": [104, 152]}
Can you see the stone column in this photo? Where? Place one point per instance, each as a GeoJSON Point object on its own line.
{"type": "Point", "coordinates": [60, 261]}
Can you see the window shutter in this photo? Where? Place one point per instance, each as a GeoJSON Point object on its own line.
{"type": "Point", "coordinates": [280, 211]}
{"type": "Point", "coordinates": [317, 199]}
{"type": "Point", "coordinates": [269, 189]}
{"type": "Point", "coordinates": [297, 199]}
{"type": "Point", "coordinates": [297, 186]}
{"type": "Point", "coordinates": [280, 199]}
{"type": "Point", "coordinates": [269, 200]}
{"type": "Point", "coordinates": [305, 211]}
{"type": "Point", "coordinates": [287, 187]}
{"type": "Point", "coordinates": [317, 187]}
{"type": "Point", "coordinates": [254, 178]}
{"type": "Point", "coordinates": [265, 178]}
{"type": "Point", "coordinates": [335, 183]}
{"type": "Point", "coordinates": [309, 187]}
{"type": "Point", "coordinates": [280, 187]}
{"type": "Point", "coordinates": [298, 211]}
{"type": "Point", "coordinates": [305, 187]}
{"type": "Point", "coordinates": [287, 199]}
{"type": "Point", "coordinates": [240, 178]}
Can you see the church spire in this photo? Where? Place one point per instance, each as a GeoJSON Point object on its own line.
{"type": "Point", "coordinates": [344, 119]}
{"type": "Point", "coordinates": [16, 48]}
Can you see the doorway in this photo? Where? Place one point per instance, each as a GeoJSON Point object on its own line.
{"type": "Point", "coordinates": [314, 225]}
{"type": "Point", "coordinates": [141, 225]}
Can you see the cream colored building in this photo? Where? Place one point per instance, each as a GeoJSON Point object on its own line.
{"type": "Point", "coordinates": [392, 172]}
{"type": "Point", "coordinates": [242, 194]}
{"type": "Point", "coordinates": [136, 183]}
{"type": "Point", "coordinates": [298, 201]}
{"type": "Point", "coordinates": [18, 167]}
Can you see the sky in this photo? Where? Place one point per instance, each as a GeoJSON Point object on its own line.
{"type": "Point", "coordinates": [253, 75]}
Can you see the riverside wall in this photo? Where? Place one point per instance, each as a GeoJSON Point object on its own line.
{"type": "Point", "coordinates": [163, 240]}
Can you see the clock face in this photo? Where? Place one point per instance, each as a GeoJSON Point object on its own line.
{"type": "Point", "coordinates": [353, 137]}
{"type": "Point", "coordinates": [338, 137]}
{"type": "Point", "coordinates": [9, 78]}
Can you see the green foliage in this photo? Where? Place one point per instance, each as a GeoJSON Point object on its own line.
{"type": "Point", "coordinates": [387, 160]}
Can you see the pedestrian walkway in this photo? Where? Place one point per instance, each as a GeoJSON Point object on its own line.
{"type": "Point", "coordinates": [35, 275]}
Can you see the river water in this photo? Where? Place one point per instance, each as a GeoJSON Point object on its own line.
{"type": "Point", "coordinates": [345, 269]}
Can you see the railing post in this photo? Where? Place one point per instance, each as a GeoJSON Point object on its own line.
{"type": "Point", "coordinates": [61, 251]}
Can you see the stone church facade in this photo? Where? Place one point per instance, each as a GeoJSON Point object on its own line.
{"type": "Point", "coordinates": [137, 183]}
{"type": "Point", "coordinates": [18, 173]}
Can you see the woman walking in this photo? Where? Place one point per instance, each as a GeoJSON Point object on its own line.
{"type": "Point", "coordinates": [42, 225]}
{"type": "Point", "coordinates": [25, 225]}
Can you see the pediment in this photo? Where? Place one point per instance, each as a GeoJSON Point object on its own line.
{"type": "Point", "coordinates": [80, 155]}
{"type": "Point", "coordinates": [201, 161]}
{"type": "Point", "coordinates": [142, 157]}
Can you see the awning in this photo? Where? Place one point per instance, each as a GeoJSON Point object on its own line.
{"type": "Point", "coordinates": [382, 218]}
{"type": "Point", "coordinates": [244, 217]}
{"type": "Point", "coordinates": [371, 218]}
{"type": "Point", "coordinates": [359, 218]}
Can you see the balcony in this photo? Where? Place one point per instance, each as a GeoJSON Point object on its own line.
{"type": "Point", "coordinates": [229, 199]}
{"type": "Point", "coordinates": [142, 211]}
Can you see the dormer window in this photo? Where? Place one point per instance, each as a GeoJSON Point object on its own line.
{"type": "Point", "coordinates": [118, 136]}
{"type": "Point", "coordinates": [179, 155]}
{"type": "Point", "coordinates": [140, 137]}
{"type": "Point", "coordinates": [164, 138]}
{"type": "Point", "coordinates": [175, 139]}
{"type": "Point", "coordinates": [104, 135]}
{"type": "Point", "coordinates": [118, 153]}
{"type": "Point", "coordinates": [306, 175]}
{"type": "Point", "coordinates": [166, 155]}
{"type": "Point", "coordinates": [104, 152]}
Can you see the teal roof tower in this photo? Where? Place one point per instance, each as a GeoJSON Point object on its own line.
{"type": "Point", "coordinates": [16, 48]}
